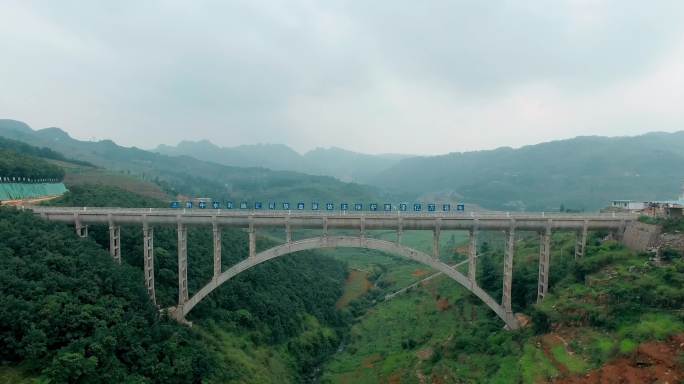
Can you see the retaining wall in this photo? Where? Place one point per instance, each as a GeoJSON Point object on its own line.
{"type": "Point", "coordinates": [640, 237]}
{"type": "Point", "coordinates": [20, 191]}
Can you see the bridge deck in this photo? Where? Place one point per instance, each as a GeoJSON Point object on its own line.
{"type": "Point", "coordinates": [336, 219]}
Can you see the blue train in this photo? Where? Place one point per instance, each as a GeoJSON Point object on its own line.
{"type": "Point", "coordinates": [316, 206]}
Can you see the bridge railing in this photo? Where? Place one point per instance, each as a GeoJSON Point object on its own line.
{"type": "Point", "coordinates": [323, 213]}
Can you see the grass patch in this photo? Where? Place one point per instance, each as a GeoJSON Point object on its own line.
{"type": "Point", "coordinates": [652, 326]}
{"type": "Point", "coordinates": [357, 285]}
{"type": "Point", "coordinates": [573, 363]}
{"type": "Point", "coordinates": [17, 375]}
{"type": "Point", "coordinates": [535, 366]}
{"type": "Point", "coordinates": [627, 346]}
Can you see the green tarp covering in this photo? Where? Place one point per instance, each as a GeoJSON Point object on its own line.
{"type": "Point", "coordinates": [17, 191]}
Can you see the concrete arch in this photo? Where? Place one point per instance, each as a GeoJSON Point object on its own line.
{"type": "Point", "coordinates": [347, 242]}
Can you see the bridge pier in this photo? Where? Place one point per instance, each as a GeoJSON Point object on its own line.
{"type": "Point", "coordinates": [217, 249]}
{"type": "Point", "coordinates": [473, 223]}
{"type": "Point", "coordinates": [115, 242]}
{"type": "Point", "coordinates": [148, 260]}
{"type": "Point", "coordinates": [472, 256]}
{"type": "Point", "coordinates": [81, 230]}
{"type": "Point", "coordinates": [581, 241]}
{"type": "Point", "coordinates": [252, 241]}
{"type": "Point", "coordinates": [182, 264]}
{"type": "Point", "coordinates": [508, 271]}
{"type": "Point", "coordinates": [288, 231]}
{"type": "Point", "coordinates": [435, 239]}
{"type": "Point", "coordinates": [544, 263]}
{"type": "Point", "coordinates": [362, 231]}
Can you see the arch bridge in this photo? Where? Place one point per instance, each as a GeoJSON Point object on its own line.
{"type": "Point", "coordinates": [473, 222]}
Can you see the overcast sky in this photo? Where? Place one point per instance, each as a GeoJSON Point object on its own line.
{"type": "Point", "coordinates": [422, 77]}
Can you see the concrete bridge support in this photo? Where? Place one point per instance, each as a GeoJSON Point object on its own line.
{"type": "Point", "coordinates": [288, 232]}
{"type": "Point", "coordinates": [115, 242]}
{"type": "Point", "coordinates": [435, 239]}
{"type": "Point", "coordinates": [148, 260]}
{"type": "Point", "coordinates": [581, 241]}
{"type": "Point", "coordinates": [182, 264]}
{"type": "Point", "coordinates": [544, 263]}
{"type": "Point", "coordinates": [472, 256]}
{"type": "Point", "coordinates": [324, 234]}
{"type": "Point", "coordinates": [81, 230]}
{"type": "Point", "coordinates": [508, 271]}
{"type": "Point", "coordinates": [580, 224]}
{"type": "Point", "coordinates": [252, 240]}
{"type": "Point", "coordinates": [217, 249]}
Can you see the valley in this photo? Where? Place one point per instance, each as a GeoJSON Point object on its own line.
{"type": "Point", "coordinates": [344, 315]}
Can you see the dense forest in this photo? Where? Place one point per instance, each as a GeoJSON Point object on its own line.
{"type": "Point", "coordinates": [42, 152]}
{"type": "Point", "coordinates": [272, 303]}
{"type": "Point", "coordinates": [600, 309]}
{"type": "Point", "coordinates": [582, 173]}
{"type": "Point", "coordinates": [16, 165]}
{"type": "Point", "coordinates": [72, 315]}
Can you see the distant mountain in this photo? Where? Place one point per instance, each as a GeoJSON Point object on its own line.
{"type": "Point", "coordinates": [580, 173]}
{"type": "Point", "coordinates": [272, 156]}
{"type": "Point", "coordinates": [348, 165]}
{"type": "Point", "coordinates": [340, 163]}
{"type": "Point", "coordinates": [14, 125]}
{"type": "Point", "coordinates": [583, 173]}
{"type": "Point", "coordinates": [189, 176]}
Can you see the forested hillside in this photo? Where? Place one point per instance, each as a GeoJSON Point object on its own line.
{"type": "Point", "coordinates": [583, 173]}
{"type": "Point", "coordinates": [189, 176]}
{"type": "Point", "coordinates": [16, 165]}
{"type": "Point", "coordinates": [610, 310]}
{"type": "Point", "coordinates": [282, 311]}
{"type": "Point", "coordinates": [42, 152]}
{"type": "Point", "coordinates": [68, 313]}
{"type": "Point", "coordinates": [21, 160]}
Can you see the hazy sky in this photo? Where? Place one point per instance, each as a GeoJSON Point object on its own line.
{"type": "Point", "coordinates": [374, 76]}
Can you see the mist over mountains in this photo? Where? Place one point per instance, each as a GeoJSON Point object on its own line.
{"type": "Point", "coordinates": [188, 175]}
{"type": "Point", "coordinates": [337, 162]}
{"type": "Point", "coordinates": [583, 173]}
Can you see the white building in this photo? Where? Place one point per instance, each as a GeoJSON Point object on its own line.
{"type": "Point", "coordinates": [628, 204]}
